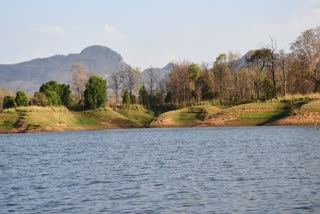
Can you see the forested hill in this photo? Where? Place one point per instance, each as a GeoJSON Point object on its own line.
{"type": "Point", "coordinates": [30, 75]}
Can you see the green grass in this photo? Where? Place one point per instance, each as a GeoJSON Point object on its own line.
{"type": "Point", "coordinates": [189, 116]}
{"type": "Point", "coordinates": [295, 110]}
{"type": "Point", "coordinates": [137, 114]}
{"type": "Point", "coordinates": [264, 113]}
{"type": "Point", "coordinates": [59, 118]}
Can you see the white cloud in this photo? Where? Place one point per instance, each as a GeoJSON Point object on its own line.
{"type": "Point", "coordinates": [114, 31]}
{"type": "Point", "coordinates": [53, 30]}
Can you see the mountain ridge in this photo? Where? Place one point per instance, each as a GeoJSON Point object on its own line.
{"type": "Point", "coordinates": [29, 75]}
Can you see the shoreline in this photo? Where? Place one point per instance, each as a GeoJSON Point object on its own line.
{"type": "Point", "coordinates": [46, 129]}
{"type": "Point", "coordinates": [57, 119]}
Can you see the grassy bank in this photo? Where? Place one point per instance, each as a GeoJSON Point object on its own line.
{"type": "Point", "coordinates": [37, 119]}
{"type": "Point", "coordinates": [303, 111]}
{"type": "Point", "coordinates": [296, 110]}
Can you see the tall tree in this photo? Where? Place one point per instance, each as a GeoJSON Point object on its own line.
{"type": "Point", "coordinates": [151, 80]}
{"type": "Point", "coordinates": [80, 76]}
{"type": "Point", "coordinates": [126, 97]}
{"type": "Point", "coordinates": [307, 50]}
{"type": "Point", "coordinates": [221, 74]}
{"type": "Point", "coordinates": [177, 83]}
{"type": "Point", "coordinates": [132, 79]}
{"type": "Point", "coordinates": [144, 96]}
{"type": "Point", "coordinates": [272, 47]}
{"type": "Point", "coordinates": [282, 62]}
{"type": "Point", "coordinates": [115, 83]}
{"type": "Point", "coordinates": [261, 58]}
{"type": "Point", "coordinates": [194, 72]}
{"type": "Point", "coordinates": [95, 94]}
{"type": "Point", "coordinates": [234, 61]}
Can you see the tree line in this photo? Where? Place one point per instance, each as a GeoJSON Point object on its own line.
{"type": "Point", "coordinates": [261, 74]}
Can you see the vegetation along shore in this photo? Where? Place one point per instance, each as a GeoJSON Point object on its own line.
{"type": "Point", "coordinates": [265, 86]}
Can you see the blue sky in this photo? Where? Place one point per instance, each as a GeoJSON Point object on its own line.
{"type": "Point", "coordinates": [149, 32]}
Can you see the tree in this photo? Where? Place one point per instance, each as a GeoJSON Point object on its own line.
{"type": "Point", "coordinates": [234, 61]}
{"type": "Point", "coordinates": [39, 99]}
{"type": "Point", "coordinates": [282, 62]}
{"type": "Point", "coordinates": [56, 93]}
{"type": "Point", "coordinates": [53, 98]}
{"type": "Point", "coordinates": [144, 96]}
{"type": "Point", "coordinates": [21, 99]}
{"type": "Point", "coordinates": [206, 83]}
{"type": "Point", "coordinates": [221, 75]}
{"type": "Point", "coordinates": [50, 86]}
{"type": "Point", "coordinates": [126, 97]}
{"type": "Point", "coordinates": [273, 62]}
{"type": "Point", "coordinates": [115, 83]}
{"type": "Point", "coordinates": [194, 72]}
{"type": "Point", "coordinates": [261, 58]}
{"type": "Point", "coordinates": [8, 102]}
{"type": "Point", "coordinates": [307, 50]}
{"type": "Point", "coordinates": [80, 77]}
{"type": "Point", "coordinates": [132, 79]}
{"type": "Point", "coordinates": [66, 97]}
{"type": "Point", "coordinates": [95, 94]}
{"type": "Point", "coordinates": [151, 80]}
{"type": "Point", "coordinates": [177, 83]}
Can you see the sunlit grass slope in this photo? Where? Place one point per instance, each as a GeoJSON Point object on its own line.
{"type": "Point", "coordinates": [296, 110]}
{"type": "Point", "coordinates": [137, 114]}
{"type": "Point", "coordinates": [190, 116]}
{"type": "Point", "coordinates": [31, 119]}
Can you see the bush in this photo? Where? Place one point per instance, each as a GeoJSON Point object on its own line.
{"type": "Point", "coordinates": [8, 102]}
{"type": "Point", "coordinates": [21, 99]}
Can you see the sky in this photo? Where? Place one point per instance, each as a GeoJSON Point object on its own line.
{"type": "Point", "coordinates": [150, 32]}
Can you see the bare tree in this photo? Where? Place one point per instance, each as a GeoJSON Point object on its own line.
{"type": "Point", "coordinates": [282, 63]}
{"type": "Point", "coordinates": [80, 77]}
{"type": "Point", "coordinates": [234, 61]}
{"type": "Point", "coordinates": [115, 82]}
{"type": "Point", "coordinates": [132, 79]}
{"type": "Point", "coordinates": [272, 47]}
{"type": "Point", "coordinates": [307, 49]}
{"type": "Point", "coordinates": [151, 80]}
{"type": "Point", "coordinates": [221, 73]}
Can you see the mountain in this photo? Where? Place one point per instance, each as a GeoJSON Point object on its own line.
{"type": "Point", "coordinates": [160, 73]}
{"type": "Point", "coordinates": [29, 76]}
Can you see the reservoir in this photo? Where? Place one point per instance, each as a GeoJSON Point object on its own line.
{"type": "Point", "coordinates": [271, 169]}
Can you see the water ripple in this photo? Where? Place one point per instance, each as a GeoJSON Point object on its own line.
{"type": "Point", "coordinates": [189, 170]}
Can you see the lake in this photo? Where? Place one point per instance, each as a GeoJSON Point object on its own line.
{"type": "Point", "coordinates": [185, 170]}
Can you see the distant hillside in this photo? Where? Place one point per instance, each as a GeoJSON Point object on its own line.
{"type": "Point", "coordinates": [30, 75]}
{"type": "Point", "coordinates": [159, 73]}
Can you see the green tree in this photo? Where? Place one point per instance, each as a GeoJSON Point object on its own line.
{"type": "Point", "coordinates": [126, 97]}
{"type": "Point", "coordinates": [144, 96]}
{"type": "Point", "coordinates": [53, 98]}
{"type": "Point", "coordinates": [21, 99]}
{"type": "Point", "coordinates": [261, 58]}
{"type": "Point", "coordinates": [95, 94]}
{"type": "Point", "coordinates": [57, 93]}
{"type": "Point", "coordinates": [51, 86]}
{"type": "Point", "coordinates": [8, 102]}
{"type": "Point", "coordinates": [39, 99]}
{"type": "Point", "coordinates": [66, 97]}
{"type": "Point", "coordinates": [194, 72]}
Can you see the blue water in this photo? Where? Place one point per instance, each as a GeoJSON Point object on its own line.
{"type": "Point", "coordinates": [188, 170]}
